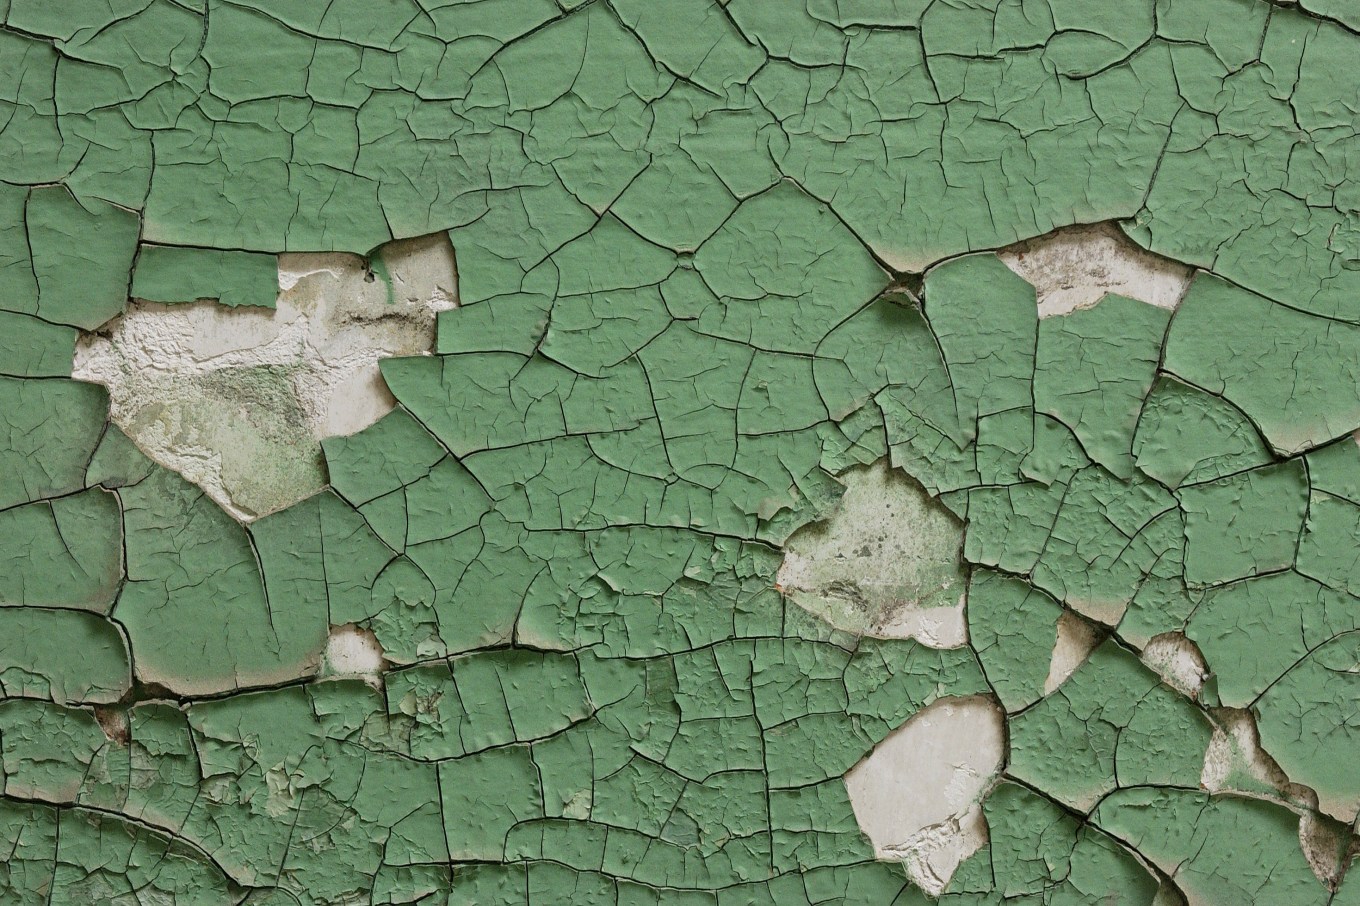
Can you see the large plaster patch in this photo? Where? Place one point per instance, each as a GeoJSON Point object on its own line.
{"type": "Point", "coordinates": [888, 563]}
{"type": "Point", "coordinates": [917, 794]}
{"type": "Point", "coordinates": [237, 400]}
{"type": "Point", "coordinates": [1076, 266]}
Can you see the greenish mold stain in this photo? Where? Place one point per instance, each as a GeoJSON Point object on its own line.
{"type": "Point", "coordinates": [674, 227]}
{"type": "Point", "coordinates": [246, 414]}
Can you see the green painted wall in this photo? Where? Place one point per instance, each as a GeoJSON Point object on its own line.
{"type": "Point", "coordinates": [689, 236]}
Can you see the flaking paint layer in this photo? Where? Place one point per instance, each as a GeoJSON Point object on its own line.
{"type": "Point", "coordinates": [525, 638]}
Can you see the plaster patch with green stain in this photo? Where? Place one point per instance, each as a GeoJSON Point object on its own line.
{"type": "Point", "coordinates": [876, 452]}
{"type": "Point", "coordinates": [887, 563]}
{"type": "Point", "coordinates": [236, 401]}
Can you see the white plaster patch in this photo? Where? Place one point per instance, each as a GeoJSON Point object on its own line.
{"type": "Point", "coordinates": [1235, 759]}
{"type": "Point", "coordinates": [1178, 662]}
{"type": "Point", "coordinates": [1077, 638]}
{"type": "Point", "coordinates": [351, 651]}
{"type": "Point", "coordinates": [917, 795]}
{"type": "Point", "coordinates": [887, 563]}
{"type": "Point", "coordinates": [1075, 267]}
{"type": "Point", "coordinates": [237, 400]}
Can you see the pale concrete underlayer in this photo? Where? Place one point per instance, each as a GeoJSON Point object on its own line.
{"type": "Point", "coordinates": [355, 652]}
{"type": "Point", "coordinates": [1077, 638]}
{"type": "Point", "coordinates": [887, 564]}
{"type": "Point", "coordinates": [917, 794]}
{"type": "Point", "coordinates": [237, 400]}
{"type": "Point", "coordinates": [1178, 662]}
{"type": "Point", "coordinates": [1076, 266]}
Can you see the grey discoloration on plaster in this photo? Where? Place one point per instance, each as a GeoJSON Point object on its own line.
{"type": "Point", "coordinates": [916, 794]}
{"type": "Point", "coordinates": [237, 400]}
{"type": "Point", "coordinates": [888, 563]}
{"type": "Point", "coordinates": [1074, 267]}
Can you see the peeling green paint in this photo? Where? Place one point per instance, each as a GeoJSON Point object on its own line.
{"type": "Point", "coordinates": [713, 259]}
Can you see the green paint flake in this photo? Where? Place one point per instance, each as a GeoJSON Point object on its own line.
{"type": "Point", "coordinates": [1307, 721]}
{"type": "Point", "coordinates": [169, 274]}
{"type": "Point", "coordinates": [1253, 631]}
{"type": "Point", "coordinates": [1244, 525]}
{"type": "Point", "coordinates": [191, 573]}
{"type": "Point", "coordinates": [82, 254]}
{"type": "Point", "coordinates": [1110, 724]}
{"type": "Point", "coordinates": [984, 318]}
{"type": "Point", "coordinates": [1013, 627]}
{"type": "Point", "coordinates": [1093, 369]}
{"type": "Point", "coordinates": [1204, 844]}
{"type": "Point", "coordinates": [33, 646]}
{"type": "Point", "coordinates": [1188, 436]}
{"type": "Point", "coordinates": [52, 428]}
{"type": "Point", "coordinates": [67, 552]}
{"type": "Point", "coordinates": [1039, 852]}
{"type": "Point", "coordinates": [1104, 539]}
{"type": "Point", "coordinates": [31, 347]}
{"type": "Point", "coordinates": [782, 268]}
{"type": "Point", "coordinates": [1291, 373]}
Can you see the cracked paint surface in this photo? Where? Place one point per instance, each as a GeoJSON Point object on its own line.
{"type": "Point", "coordinates": [522, 639]}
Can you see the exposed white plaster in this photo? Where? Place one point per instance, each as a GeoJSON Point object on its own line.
{"type": "Point", "coordinates": [1074, 267]}
{"type": "Point", "coordinates": [236, 400]}
{"type": "Point", "coordinates": [917, 794]}
{"type": "Point", "coordinates": [1178, 662]}
{"type": "Point", "coordinates": [1236, 761]}
{"type": "Point", "coordinates": [351, 651]}
{"type": "Point", "coordinates": [1077, 638]}
{"type": "Point", "coordinates": [887, 563]}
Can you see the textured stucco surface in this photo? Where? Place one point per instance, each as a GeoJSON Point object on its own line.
{"type": "Point", "coordinates": [1043, 314]}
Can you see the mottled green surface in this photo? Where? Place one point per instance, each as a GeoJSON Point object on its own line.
{"type": "Point", "coordinates": [690, 237]}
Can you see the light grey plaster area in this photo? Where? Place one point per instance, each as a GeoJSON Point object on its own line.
{"type": "Point", "coordinates": [888, 563]}
{"type": "Point", "coordinates": [237, 400]}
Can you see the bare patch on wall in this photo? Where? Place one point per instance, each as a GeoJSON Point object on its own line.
{"type": "Point", "coordinates": [355, 652]}
{"type": "Point", "coordinates": [237, 400]}
{"type": "Point", "coordinates": [1077, 637]}
{"type": "Point", "coordinates": [888, 563]}
{"type": "Point", "coordinates": [916, 795]}
{"type": "Point", "coordinates": [1076, 266]}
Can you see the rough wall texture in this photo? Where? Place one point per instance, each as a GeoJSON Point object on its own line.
{"type": "Point", "coordinates": [558, 627]}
